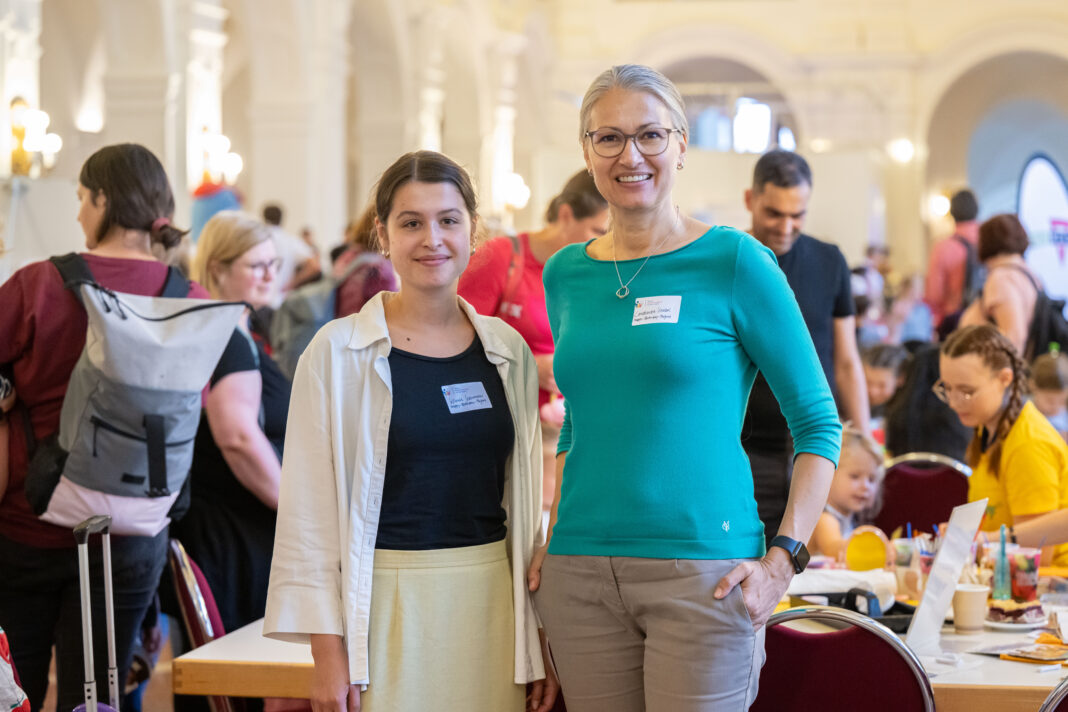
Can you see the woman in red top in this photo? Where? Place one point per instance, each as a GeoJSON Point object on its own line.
{"type": "Point", "coordinates": [125, 208]}
{"type": "Point", "coordinates": [502, 282]}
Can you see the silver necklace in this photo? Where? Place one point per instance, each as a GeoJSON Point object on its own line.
{"type": "Point", "coordinates": [624, 288]}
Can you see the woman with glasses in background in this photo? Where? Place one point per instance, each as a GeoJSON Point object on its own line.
{"type": "Point", "coordinates": [1019, 461]}
{"type": "Point", "coordinates": [229, 529]}
{"type": "Point", "coordinates": [656, 584]}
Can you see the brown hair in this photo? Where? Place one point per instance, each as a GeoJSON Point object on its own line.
{"type": "Point", "coordinates": [996, 353]}
{"type": "Point", "coordinates": [1049, 371]}
{"type": "Point", "coordinates": [361, 231]}
{"type": "Point", "coordinates": [581, 195]}
{"type": "Point", "coordinates": [1002, 235]}
{"type": "Point", "coordinates": [137, 191]}
{"type": "Point", "coordinates": [423, 167]}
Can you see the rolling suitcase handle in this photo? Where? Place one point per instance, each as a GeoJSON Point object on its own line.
{"type": "Point", "coordinates": [99, 524]}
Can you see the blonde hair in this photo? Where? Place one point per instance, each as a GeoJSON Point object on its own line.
{"type": "Point", "coordinates": [228, 235]}
{"type": "Point", "coordinates": [855, 438]}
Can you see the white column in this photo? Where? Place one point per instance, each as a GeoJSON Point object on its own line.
{"type": "Point", "coordinates": [426, 24]}
{"type": "Point", "coordinates": [20, 53]}
{"type": "Point", "coordinates": [498, 152]}
{"type": "Point", "coordinates": [203, 83]}
{"type": "Point", "coordinates": [143, 83]}
{"type": "Point", "coordinates": [297, 112]}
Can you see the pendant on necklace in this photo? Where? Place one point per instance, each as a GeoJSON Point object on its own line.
{"type": "Point", "coordinates": [623, 291]}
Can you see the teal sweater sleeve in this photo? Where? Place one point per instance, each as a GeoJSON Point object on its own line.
{"type": "Point", "coordinates": [773, 333]}
{"type": "Point", "coordinates": [654, 408]}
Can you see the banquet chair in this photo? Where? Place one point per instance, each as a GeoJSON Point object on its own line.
{"type": "Point", "coordinates": [1057, 700]}
{"type": "Point", "coordinates": [856, 664]}
{"type": "Point", "coordinates": [200, 616]}
{"type": "Point", "coordinates": [921, 488]}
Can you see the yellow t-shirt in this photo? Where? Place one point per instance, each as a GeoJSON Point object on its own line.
{"type": "Point", "coordinates": [1032, 477]}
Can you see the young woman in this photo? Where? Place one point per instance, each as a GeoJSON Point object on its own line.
{"type": "Point", "coordinates": [1009, 294]}
{"type": "Point", "coordinates": [578, 214]}
{"type": "Point", "coordinates": [125, 207]}
{"type": "Point", "coordinates": [1019, 461]}
{"type": "Point", "coordinates": [657, 585]}
{"type": "Point", "coordinates": [411, 486]}
{"type": "Point", "coordinates": [229, 529]}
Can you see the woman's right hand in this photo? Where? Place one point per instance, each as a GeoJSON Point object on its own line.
{"type": "Point", "coordinates": [534, 570]}
{"type": "Point", "coordinates": [331, 690]}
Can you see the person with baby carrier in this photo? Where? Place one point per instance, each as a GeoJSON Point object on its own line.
{"type": "Point", "coordinates": [75, 416]}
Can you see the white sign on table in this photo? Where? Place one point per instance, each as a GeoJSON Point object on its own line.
{"type": "Point", "coordinates": [925, 631]}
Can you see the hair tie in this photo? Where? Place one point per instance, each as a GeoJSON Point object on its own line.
{"type": "Point", "coordinates": [159, 223]}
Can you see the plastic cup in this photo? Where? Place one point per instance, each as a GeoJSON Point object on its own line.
{"type": "Point", "coordinates": [969, 608]}
{"type": "Point", "coordinates": [1023, 570]}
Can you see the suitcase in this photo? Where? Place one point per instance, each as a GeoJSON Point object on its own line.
{"type": "Point", "coordinates": [94, 525]}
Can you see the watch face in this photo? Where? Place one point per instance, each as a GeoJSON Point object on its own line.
{"type": "Point", "coordinates": [801, 558]}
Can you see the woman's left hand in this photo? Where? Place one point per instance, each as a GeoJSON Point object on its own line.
{"type": "Point", "coordinates": [543, 692]}
{"type": "Point", "coordinates": [763, 582]}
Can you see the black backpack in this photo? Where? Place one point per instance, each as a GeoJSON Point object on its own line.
{"type": "Point", "coordinates": [1048, 325]}
{"type": "Point", "coordinates": [974, 272]}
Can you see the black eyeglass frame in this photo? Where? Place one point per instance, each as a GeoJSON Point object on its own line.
{"type": "Point", "coordinates": [631, 137]}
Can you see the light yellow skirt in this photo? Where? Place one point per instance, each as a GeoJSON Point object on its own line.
{"type": "Point", "coordinates": [442, 634]}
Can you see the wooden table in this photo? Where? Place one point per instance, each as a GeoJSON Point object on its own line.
{"type": "Point", "coordinates": [245, 664]}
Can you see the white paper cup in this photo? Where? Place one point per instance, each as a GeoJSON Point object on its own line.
{"type": "Point", "coordinates": [969, 608]}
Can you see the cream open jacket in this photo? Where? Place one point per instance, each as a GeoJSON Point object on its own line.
{"type": "Point", "coordinates": [332, 478]}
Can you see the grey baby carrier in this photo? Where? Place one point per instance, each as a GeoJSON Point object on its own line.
{"type": "Point", "coordinates": [131, 411]}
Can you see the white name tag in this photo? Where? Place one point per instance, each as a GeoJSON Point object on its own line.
{"type": "Point", "coordinates": [462, 397]}
{"type": "Point", "coordinates": [656, 310]}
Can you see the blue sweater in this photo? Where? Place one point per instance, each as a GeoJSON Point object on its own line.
{"type": "Point", "coordinates": [655, 466]}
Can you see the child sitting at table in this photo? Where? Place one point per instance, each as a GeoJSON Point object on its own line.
{"type": "Point", "coordinates": [884, 372]}
{"type": "Point", "coordinates": [855, 488]}
{"type": "Point", "coordinates": [1049, 388]}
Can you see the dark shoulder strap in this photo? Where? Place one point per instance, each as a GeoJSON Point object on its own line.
{"type": "Point", "coordinates": [1026, 273]}
{"type": "Point", "coordinates": [515, 270]}
{"type": "Point", "coordinates": [176, 285]}
{"type": "Point", "coordinates": [74, 271]}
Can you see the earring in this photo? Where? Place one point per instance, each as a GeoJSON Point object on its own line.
{"type": "Point", "coordinates": [679, 165]}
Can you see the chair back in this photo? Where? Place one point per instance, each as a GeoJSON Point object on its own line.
{"type": "Point", "coordinates": [857, 664]}
{"type": "Point", "coordinates": [200, 614]}
{"type": "Point", "coordinates": [1057, 700]}
{"type": "Point", "coordinates": [921, 489]}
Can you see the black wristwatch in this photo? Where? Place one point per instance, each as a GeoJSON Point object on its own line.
{"type": "Point", "coordinates": [797, 551]}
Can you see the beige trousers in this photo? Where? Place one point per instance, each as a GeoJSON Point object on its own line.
{"type": "Point", "coordinates": [442, 634]}
{"type": "Point", "coordinates": [646, 635]}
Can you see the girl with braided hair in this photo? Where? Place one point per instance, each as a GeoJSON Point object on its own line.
{"type": "Point", "coordinates": [1019, 461]}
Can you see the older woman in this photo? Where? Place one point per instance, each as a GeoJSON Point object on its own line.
{"type": "Point", "coordinates": [657, 585]}
{"type": "Point", "coordinates": [229, 530]}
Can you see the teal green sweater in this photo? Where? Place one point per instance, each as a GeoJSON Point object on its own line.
{"type": "Point", "coordinates": [655, 466]}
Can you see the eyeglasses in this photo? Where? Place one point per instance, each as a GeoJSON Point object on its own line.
{"type": "Point", "coordinates": [650, 141]}
{"type": "Point", "coordinates": [946, 396]}
{"type": "Point", "coordinates": [262, 268]}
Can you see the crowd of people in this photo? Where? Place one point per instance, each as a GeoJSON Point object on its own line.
{"type": "Point", "coordinates": [619, 434]}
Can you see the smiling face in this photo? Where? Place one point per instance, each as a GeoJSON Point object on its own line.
{"type": "Point", "coordinates": [975, 392]}
{"type": "Point", "coordinates": [778, 214]}
{"type": "Point", "coordinates": [249, 278]}
{"type": "Point", "coordinates": [855, 481]}
{"type": "Point", "coordinates": [631, 180]}
{"type": "Point", "coordinates": [428, 231]}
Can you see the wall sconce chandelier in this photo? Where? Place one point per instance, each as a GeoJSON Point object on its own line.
{"type": "Point", "coordinates": [33, 150]}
